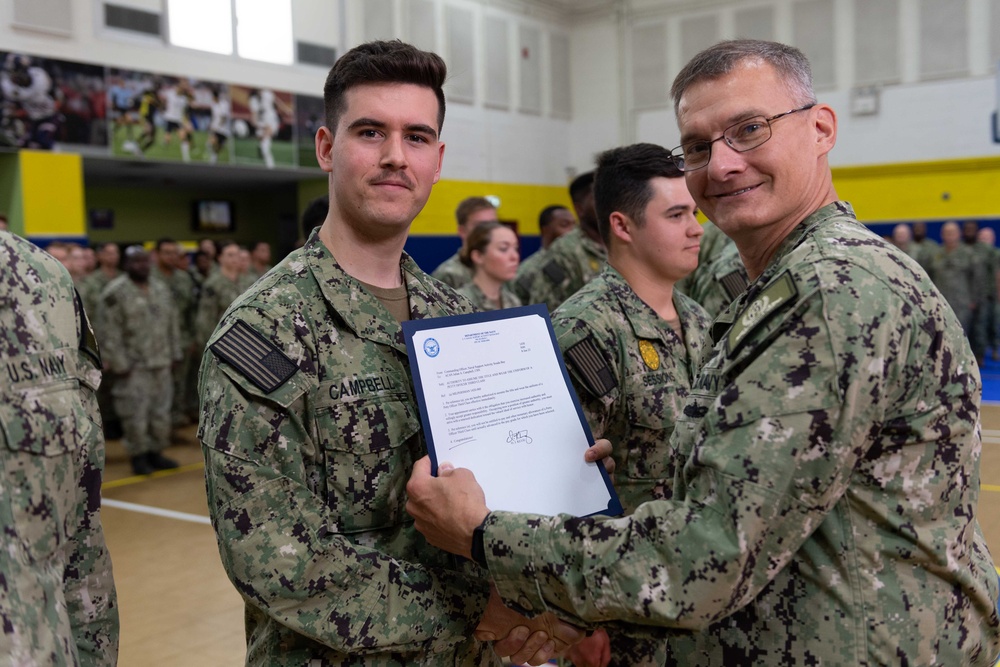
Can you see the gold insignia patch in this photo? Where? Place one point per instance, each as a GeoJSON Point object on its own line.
{"type": "Point", "coordinates": [594, 265]}
{"type": "Point", "coordinates": [649, 355]}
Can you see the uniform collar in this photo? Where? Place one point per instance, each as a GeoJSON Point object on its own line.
{"type": "Point", "coordinates": [359, 309]}
{"type": "Point", "coordinates": [645, 322]}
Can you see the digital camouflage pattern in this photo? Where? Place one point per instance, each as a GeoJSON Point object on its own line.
{"type": "Point", "coordinates": [306, 482]}
{"type": "Point", "coordinates": [720, 276]}
{"type": "Point", "coordinates": [138, 328]}
{"type": "Point", "coordinates": [472, 292]}
{"type": "Point", "coordinates": [826, 510]}
{"type": "Point", "coordinates": [140, 337]}
{"type": "Point", "coordinates": [217, 293]}
{"type": "Point", "coordinates": [526, 273]}
{"type": "Point", "coordinates": [955, 274]}
{"type": "Point", "coordinates": [923, 252]}
{"type": "Point", "coordinates": [57, 593]}
{"type": "Point", "coordinates": [647, 373]}
{"type": "Point", "coordinates": [185, 294]}
{"type": "Point", "coordinates": [452, 272]}
{"type": "Point", "coordinates": [574, 259]}
{"type": "Point", "coordinates": [90, 291]}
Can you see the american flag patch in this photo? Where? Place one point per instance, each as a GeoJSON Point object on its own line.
{"type": "Point", "coordinates": [589, 362]}
{"type": "Point", "coordinates": [257, 358]}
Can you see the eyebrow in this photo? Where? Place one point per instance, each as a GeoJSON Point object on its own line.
{"type": "Point", "coordinates": [419, 128]}
{"type": "Point", "coordinates": [732, 120]}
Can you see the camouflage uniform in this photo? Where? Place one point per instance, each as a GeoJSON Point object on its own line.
{"type": "Point", "coordinates": [826, 511]}
{"type": "Point", "coordinates": [90, 290]}
{"type": "Point", "coordinates": [955, 274]}
{"type": "Point", "coordinates": [310, 429]}
{"type": "Point", "coordinates": [720, 276]}
{"type": "Point", "coordinates": [574, 259]}
{"type": "Point", "coordinates": [217, 292]}
{"type": "Point", "coordinates": [984, 263]}
{"type": "Point", "coordinates": [185, 295]}
{"type": "Point", "coordinates": [923, 252]}
{"type": "Point", "coordinates": [57, 593]}
{"type": "Point", "coordinates": [526, 270]}
{"type": "Point", "coordinates": [632, 374]}
{"type": "Point", "coordinates": [140, 337]}
{"type": "Point", "coordinates": [452, 272]}
{"type": "Point", "coordinates": [990, 260]}
{"type": "Point", "coordinates": [472, 292]}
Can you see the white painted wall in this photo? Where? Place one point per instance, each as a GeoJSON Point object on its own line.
{"type": "Point", "coordinates": [916, 121]}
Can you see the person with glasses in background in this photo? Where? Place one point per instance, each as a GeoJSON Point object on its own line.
{"type": "Point", "coordinates": [825, 505]}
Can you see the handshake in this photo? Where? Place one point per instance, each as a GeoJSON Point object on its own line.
{"type": "Point", "coordinates": [538, 640]}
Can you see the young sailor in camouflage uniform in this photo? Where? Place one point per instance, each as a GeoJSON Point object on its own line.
{"type": "Point", "coordinates": [632, 343]}
{"type": "Point", "coordinates": [57, 592]}
{"type": "Point", "coordinates": [309, 422]}
{"type": "Point", "coordinates": [573, 259]}
{"type": "Point", "coordinates": [826, 510]}
{"type": "Point", "coordinates": [471, 213]}
{"type": "Point", "coordinates": [140, 333]}
{"type": "Point", "coordinates": [491, 253]}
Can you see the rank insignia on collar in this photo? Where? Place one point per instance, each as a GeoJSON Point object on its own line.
{"type": "Point", "coordinates": [649, 355]}
{"type": "Point", "coordinates": [781, 291]}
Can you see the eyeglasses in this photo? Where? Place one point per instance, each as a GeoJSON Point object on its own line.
{"type": "Point", "coordinates": [741, 137]}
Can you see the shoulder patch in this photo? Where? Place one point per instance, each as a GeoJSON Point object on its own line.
{"type": "Point", "coordinates": [88, 341]}
{"type": "Point", "coordinates": [554, 272]}
{"type": "Point", "coordinates": [734, 283]}
{"type": "Point", "coordinates": [775, 295]}
{"type": "Point", "coordinates": [524, 282]}
{"type": "Point", "coordinates": [258, 359]}
{"type": "Point", "coordinates": [593, 369]}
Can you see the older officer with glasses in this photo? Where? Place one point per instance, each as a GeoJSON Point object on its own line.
{"type": "Point", "coordinates": [824, 512]}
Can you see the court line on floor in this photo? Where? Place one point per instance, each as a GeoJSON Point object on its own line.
{"type": "Point", "coordinates": [135, 479]}
{"type": "Point", "coordinates": [155, 511]}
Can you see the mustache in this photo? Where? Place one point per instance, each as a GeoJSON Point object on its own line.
{"type": "Point", "coordinates": [394, 177]}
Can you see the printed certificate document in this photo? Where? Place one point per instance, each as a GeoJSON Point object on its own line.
{"type": "Point", "coordinates": [495, 398]}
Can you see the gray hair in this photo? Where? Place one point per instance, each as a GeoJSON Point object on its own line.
{"type": "Point", "coordinates": [722, 58]}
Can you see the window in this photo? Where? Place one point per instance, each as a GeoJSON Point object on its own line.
{"type": "Point", "coordinates": [263, 28]}
{"type": "Point", "coordinates": [206, 25]}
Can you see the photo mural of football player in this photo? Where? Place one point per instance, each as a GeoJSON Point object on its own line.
{"type": "Point", "coordinates": [263, 126]}
{"type": "Point", "coordinates": [46, 102]}
{"type": "Point", "coordinates": [220, 126]}
{"type": "Point", "coordinates": [308, 118]}
{"type": "Point", "coordinates": [162, 117]}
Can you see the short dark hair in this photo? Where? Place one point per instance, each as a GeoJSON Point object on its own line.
{"type": "Point", "coordinates": [621, 182]}
{"type": "Point", "coordinates": [470, 205]}
{"type": "Point", "coordinates": [164, 241]}
{"type": "Point", "coordinates": [581, 186]}
{"type": "Point", "coordinates": [315, 214]}
{"type": "Point", "coordinates": [720, 59]}
{"type": "Point", "coordinates": [478, 239]}
{"type": "Point", "coordinates": [545, 217]}
{"type": "Point", "coordinates": [382, 62]}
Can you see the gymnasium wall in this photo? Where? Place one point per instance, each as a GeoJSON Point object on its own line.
{"type": "Point", "coordinates": [534, 93]}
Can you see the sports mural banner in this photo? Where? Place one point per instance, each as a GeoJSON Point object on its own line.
{"type": "Point", "coordinates": [49, 104]}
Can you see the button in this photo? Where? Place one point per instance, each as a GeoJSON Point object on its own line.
{"type": "Point", "coordinates": [525, 603]}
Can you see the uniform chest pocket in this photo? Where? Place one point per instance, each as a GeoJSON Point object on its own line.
{"type": "Point", "coordinates": [652, 408]}
{"type": "Point", "coordinates": [369, 446]}
{"type": "Point", "coordinates": [43, 429]}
